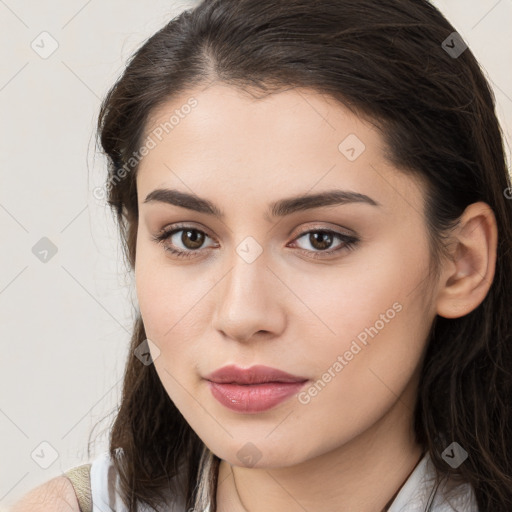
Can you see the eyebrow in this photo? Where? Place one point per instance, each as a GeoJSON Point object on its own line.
{"type": "Point", "coordinates": [280, 208]}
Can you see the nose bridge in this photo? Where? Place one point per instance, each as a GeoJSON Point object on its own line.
{"type": "Point", "coordinates": [247, 302]}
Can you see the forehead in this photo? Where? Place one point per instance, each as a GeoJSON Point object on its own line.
{"type": "Point", "coordinates": [219, 139]}
{"type": "Point", "coordinates": [296, 114]}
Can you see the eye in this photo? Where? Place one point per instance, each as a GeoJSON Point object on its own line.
{"type": "Point", "coordinates": [192, 240]}
{"type": "Point", "coordinates": [322, 239]}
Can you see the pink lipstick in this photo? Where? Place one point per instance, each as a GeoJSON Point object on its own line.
{"type": "Point", "coordinates": [254, 389]}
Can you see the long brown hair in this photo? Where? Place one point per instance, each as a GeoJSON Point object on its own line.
{"type": "Point", "coordinates": [388, 61]}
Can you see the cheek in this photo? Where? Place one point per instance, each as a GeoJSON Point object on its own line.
{"type": "Point", "coordinates": [169, 312]}
{"type": "Point", "coordinates": [371, 322]}
{"type": "Point", "coordinates": [155, 287]}
{"type": "Point", "coordinates": [358, 381]}
{"type": "Point", "coordinates": [344, 300]}
{"type": "Point", "coordinates": [171, 300]}
{"type": "Point", "coordinates": [162, 301]}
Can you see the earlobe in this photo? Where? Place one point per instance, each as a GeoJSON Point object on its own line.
{"type": "Point", "coordinates": [469, 275]}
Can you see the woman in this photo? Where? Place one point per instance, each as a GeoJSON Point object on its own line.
{"type": "Point", "coordinates": [313, 198]}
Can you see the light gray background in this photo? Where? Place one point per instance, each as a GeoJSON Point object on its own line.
{"type": "Point", "coordinates": [65, 324]}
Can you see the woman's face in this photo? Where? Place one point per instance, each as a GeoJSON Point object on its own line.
{"type": "Point", "coordinates": [329, 291]}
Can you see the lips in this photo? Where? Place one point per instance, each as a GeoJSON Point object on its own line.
{"type": "Point", "coordinates": [258, 374]}
{"type": "Point", "coordinates": [253, 390]}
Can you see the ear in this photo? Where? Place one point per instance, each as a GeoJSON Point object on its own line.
{"type": "Point", "coordinates": [468, 275]}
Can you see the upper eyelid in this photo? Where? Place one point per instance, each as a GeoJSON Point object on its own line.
{"type": "Point", "coordinates": [167, 230]}
{"type": "Point", "coordinates": [178, 226]}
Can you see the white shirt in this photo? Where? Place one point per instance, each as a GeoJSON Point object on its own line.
{"type": "Point", "coordinates": [413, 496]}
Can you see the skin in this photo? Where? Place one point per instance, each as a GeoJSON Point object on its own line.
{"type": "Point", "coordinates": [352, 443]}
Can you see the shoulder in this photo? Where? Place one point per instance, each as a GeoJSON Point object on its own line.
{"type": "Point", "coordinates": [56, 495]}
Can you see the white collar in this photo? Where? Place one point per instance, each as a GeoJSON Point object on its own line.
{"type": "Point", "coordinates": [417, 493]}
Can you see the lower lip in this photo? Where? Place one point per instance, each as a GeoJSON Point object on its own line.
{"type": "Point", "coordinates": [254, 398]}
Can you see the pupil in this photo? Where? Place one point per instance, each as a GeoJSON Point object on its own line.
{"type": "Point", "coordinates": [318, 239]}
{"type": "Point", "coordinates": [192, 237]}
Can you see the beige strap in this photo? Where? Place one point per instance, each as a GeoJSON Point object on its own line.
{"type": "Point", "coordinates": [81, 480]}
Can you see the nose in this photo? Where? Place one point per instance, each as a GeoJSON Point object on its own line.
{"type": "Point", "coordinates": [249, 302]}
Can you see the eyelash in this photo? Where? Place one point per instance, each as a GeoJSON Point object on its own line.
{"type": "Point", "coordinates": [349, 242]}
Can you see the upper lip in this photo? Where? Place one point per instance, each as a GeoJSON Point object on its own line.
{"type": "Point", "coordinates": [254, 375]}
